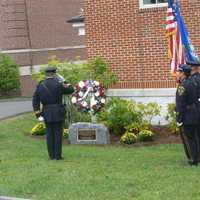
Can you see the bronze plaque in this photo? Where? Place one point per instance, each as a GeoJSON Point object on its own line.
{"type": "Point", "coordinates": [87, 134]}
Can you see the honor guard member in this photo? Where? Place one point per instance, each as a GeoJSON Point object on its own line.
{"type": "Point", "coordinates": [187, 113]}
{"type": "Point", "coordinates": [49, 93]}
{"type": "Point", "coordinates": [196, 79]}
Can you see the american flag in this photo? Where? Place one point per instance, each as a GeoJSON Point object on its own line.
{"type": "Point", "coordinates": [176, 48]}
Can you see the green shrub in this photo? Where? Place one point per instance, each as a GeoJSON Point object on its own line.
{"type": "Point", "coordinates": [9, 75]}
{"type": "Point", "coordinates": [136, 127]}
{"type": "Point", "coordinates": [96, 69]}
{"type": "Point", "coordinates": [39, 129]}
{"type": "Point", "coordinates": [128, 138]}
{"type": "Point", "coordinates": [118, 114]}
{"type": "Point", "coordinates": [171, 118]}
{"type": "Point", "coordinates": [66, 133]}
{"type": "Point", "coordinates": [149, 111]}
{"type": "Point", "coordinates": [145, 135]}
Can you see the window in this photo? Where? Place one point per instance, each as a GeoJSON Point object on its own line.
{"type": "Point", "coordinates": [152, 3]}
{"type": "Point", "coordinates": [81, 31]}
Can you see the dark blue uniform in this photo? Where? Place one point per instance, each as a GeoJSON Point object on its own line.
{"type": "Point", "coordinates": [187, 113]}
{"type": "Point", "coordinates": [196, 79]}
{"type": "Point", "coordinates": [49, 93]}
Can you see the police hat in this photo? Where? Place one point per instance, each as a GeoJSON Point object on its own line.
{"type": "Point", "coordinates": [50, 69]}
{"type": "Point", "coordinates": [184, 68]}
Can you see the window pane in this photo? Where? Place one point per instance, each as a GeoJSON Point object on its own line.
{"type": "Point", "coordinates": [162, 1]}
{"type": "Point", "coordinates": [146, 2]}
{"type": "Point", "coordinates": [149, 2]}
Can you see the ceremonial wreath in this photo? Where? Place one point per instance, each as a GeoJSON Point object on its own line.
{"type": "Point", "coordinates": [89, 96]}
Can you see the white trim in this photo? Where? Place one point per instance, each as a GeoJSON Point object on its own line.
{"type": "Point", "coordinates": [78, 25]}
{"type": "Point", "coordinates": [151, 92]}
{"type": "Point", "coordinates": [14, 51]}
{"type": "Point", "coordinates": [157, 5]}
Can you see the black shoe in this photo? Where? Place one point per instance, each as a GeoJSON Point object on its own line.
{"type": "Point", "coordinates": [193, 163]}
{"type": "Point", "coordinates": [61, 158]}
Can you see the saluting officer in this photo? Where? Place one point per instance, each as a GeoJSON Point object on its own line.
{"type": "Point", "coordinates": [49, 93]}
{"type": "Point", "coordinates": [187, 113]}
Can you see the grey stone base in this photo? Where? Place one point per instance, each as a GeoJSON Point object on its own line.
{"type": "Point", "coordinates": [102, 133]}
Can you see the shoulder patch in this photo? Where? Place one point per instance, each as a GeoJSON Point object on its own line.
{"type": "Point", "coordinates": [181, 90]}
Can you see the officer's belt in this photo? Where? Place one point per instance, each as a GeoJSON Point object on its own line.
{"type": "Point", "coordinates": [52, 105]}
{"type": "Point", "coordinates": [193, 105]}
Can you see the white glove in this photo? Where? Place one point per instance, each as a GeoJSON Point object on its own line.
{"type": "Point", "coordinates": [179, 124]}
{"type": "Point", "coordinates": [40, 119]}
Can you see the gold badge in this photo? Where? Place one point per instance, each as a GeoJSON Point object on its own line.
{"type": "Point", "coordinates": [181, 90]}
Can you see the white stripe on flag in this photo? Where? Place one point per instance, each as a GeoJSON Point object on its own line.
{"type": "Point", "coordinates": [173, 25]}
{"type": "Point", "coordinates": [169, 18]}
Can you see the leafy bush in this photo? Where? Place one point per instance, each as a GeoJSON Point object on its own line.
{"type": "Point", "coordinates": [39, 129]}
{"type": "Point", "coordinates": [128, 138]}
{"type": "Point", "coordinates": [121, 115]}
{"type": "Point", "coordinates": [118, 114]}
{"type": "Point", "coordinates": [145, 135]}
{"type": "Point", "coordinates": [9, 75]}
{"type": "Point", "coordinates": [149, 110]}
{"type": "Point", "coordinates": [171, 118]}
{"type": "Point", "coordinates": [66, 133]}
{"type": "Point", "coordinates": [96, 69]}
{"type": "Point", "coordinates": [136, 127]}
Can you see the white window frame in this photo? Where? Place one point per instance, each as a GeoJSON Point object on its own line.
{"type": "Point", "coordinates": [157, 5]}
{"type": "Point", "coordinates": [81, 28]}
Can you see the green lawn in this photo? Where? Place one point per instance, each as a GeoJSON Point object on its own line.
{"type": "Point", "coordinates": [90, 172]}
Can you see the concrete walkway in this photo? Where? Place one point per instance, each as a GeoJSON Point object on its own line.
{"type": "Point", "coordinates": [13, 107]}
{"type": "Point", "coordinates": [10, 198]}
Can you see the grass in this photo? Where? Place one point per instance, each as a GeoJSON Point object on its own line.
{"type": "Point", "coordinates": [91, 172]}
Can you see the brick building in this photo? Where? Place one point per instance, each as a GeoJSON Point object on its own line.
{"type": "Point", "coordinates": [32, 31]}
{"type": "Point", "coordinates": [130, 35]}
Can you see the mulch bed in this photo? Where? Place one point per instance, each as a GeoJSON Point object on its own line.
{"type": "Point", "coordinates": [162, 136]}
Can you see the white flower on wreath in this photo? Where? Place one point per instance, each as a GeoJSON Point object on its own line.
{"type": "Point", "coordinates": [103, 101]}
{"type": "Point", "coordinates": [80, 94]}
{"type": "Point", "coordinates": [96, 83]}
{"type": "Point", "coordinates": [81, 84]}
{"type": "Point", "coordinates": [97, 94]}
{"type": "Point", "coordinates": [74, 100]}
{"type": "Point", "coordinates": [84, 104]}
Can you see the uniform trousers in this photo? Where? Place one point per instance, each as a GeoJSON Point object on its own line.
{"type": "Point", "coordinates": [54, 132]}
{"type": "Point", "coordinates": [189, 136]}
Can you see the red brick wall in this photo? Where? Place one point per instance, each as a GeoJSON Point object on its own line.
{"type": "Point", "coordinates": [133, 40]}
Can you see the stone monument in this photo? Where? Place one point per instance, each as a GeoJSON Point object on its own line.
{"type": "Point", "coordinates": [88, 133]}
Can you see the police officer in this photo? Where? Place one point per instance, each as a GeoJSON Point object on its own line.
{"type": "Point", "coordinates": [187, 113]}
{"type": "Point", "coordinates": [196, 79]}
{"type": "Point", "coordinates": [49, 93]}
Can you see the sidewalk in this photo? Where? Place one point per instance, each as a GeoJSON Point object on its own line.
{"type": "Point", "coordinates": [12, 107]}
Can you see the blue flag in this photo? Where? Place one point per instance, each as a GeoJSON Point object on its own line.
{"type": "Point", "coordinates": [190, 56]}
